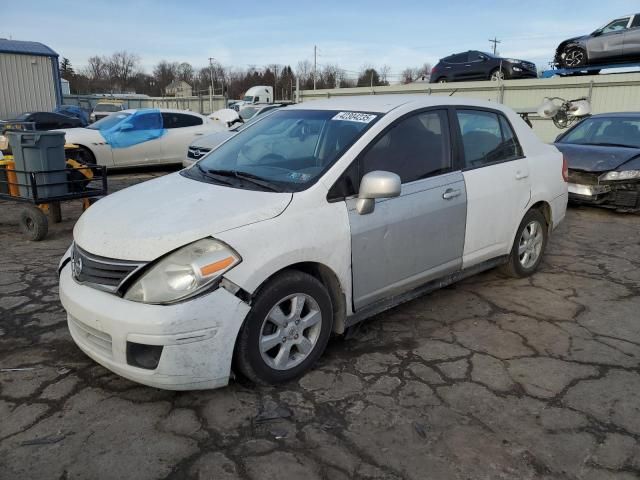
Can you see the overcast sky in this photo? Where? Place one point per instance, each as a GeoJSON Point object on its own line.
{"type": "Point", "coordinates": [347, 33]}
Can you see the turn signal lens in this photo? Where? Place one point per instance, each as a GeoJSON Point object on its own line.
{"type": "Point", "coordinates": [565, 169]}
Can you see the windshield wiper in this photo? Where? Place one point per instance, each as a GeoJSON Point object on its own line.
{"type": "Point", "coordinates": [249, 177]}
{"type": "Point", "coordinates": [606, 144]}
{"type": "Point", "coordinates": [208, 175]}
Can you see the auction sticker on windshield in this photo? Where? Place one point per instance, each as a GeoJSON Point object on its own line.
{"type": "Point", "coordinates": [354, 117]}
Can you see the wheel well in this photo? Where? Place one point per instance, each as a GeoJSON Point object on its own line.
{"type": "Point", "coordinates": [545, 209]}
{"type": "Point", "coordinates": [328, 278]}
{"type": "Point", "coordinates": [85, 148]}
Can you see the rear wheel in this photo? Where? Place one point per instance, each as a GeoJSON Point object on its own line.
{"type": "Point", "coordinates": [86, 156]}
{"type": "Point", "coordinates": [286, 330]}
{"type": "Point", "coordinates": [442, 80]}
{"type": "Point", "coordinates": [33, 223]}
{"type": "Point", "coordinates": [528, 246]}
{"type": "Point", "coordinates": [574, 57]}
{"type": "Point", "coordinates": [496, 75]}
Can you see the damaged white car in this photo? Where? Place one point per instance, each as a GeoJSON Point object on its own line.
{"type": "Point", "coordinates": [309, 221]}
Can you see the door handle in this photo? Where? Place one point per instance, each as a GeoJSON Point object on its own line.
{"type": "Point", "coordinates": [198, 134]}
{"type": "Point", "coordinates": [520, 175]}
{"type": "Point", "coordinates": [450, 193]}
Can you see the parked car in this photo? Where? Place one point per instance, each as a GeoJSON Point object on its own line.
{"type": "Point", "coordinates": [603, 155]}
{"type": "Point", "coordinates": [475, 65]}
{"type": "Point", "coordinates": [249, 111]}
{"type": "Point", "coordinates": [204, 145]}
{"type": "Point", "coordinates": [617, 41]}
{"type": "Point", "coordinates": [48, 120]}
{"type": "Point", "coordinates": [105, 108]}
{"type": "Point", "coordinates": [309, 221]}
{"type": "Point", "coordinates": [140, 137]}
{"type": "Point", "coordinates": [74, 111]}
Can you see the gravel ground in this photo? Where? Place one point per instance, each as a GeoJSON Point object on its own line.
{"type": "Point", "coordinates": [490, 378]}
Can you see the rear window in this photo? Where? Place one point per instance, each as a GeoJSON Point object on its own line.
{"type": "Point", "coordinates": [179, 120]}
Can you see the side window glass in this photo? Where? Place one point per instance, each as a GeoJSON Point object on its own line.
{"type": "Point", "coordinates": [416, 147]}
{"type": "Point", "coordinates": [636, 21]}
{"type": "Point", "coordinates": [486, 138]}
{"type": "Point", "coordinates": [616, 25]}
{"type": "Point", "coordinates": [146, 121]}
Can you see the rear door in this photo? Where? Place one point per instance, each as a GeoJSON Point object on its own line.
{"type": "Point", "coordinates": [496, 176]}
{"type": "Point", "coordinates": [631, 46]}
{"type": "Point", "coordinates": [477, 66]}
{"type": "Point", "coordinates": [181, 129]}
{"type": "Point", "coordinates": [418, 236]}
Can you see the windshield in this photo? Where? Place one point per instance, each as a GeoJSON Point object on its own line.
{"type": "Point", "coordinates": [248, 98]}
{"type": "Point", "coordinates": [606, 131]}
{"type": "Point", "coordinates": [254, 119]}
{"type": "Point", "coordinates": [247, 112]}
{"type": "Point", "coordinates": [108, 122]}
{"type": "Point", "coordinates": [289, 149]}
{"type": "Point", "coordinates": [107, 107]}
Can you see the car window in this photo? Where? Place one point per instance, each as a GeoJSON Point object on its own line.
{"type": "Point", "coordinates": [619, 24]}
{"type": "Point", "coordinates": [108, 122]}
{"type": "Point", "coordinates": [458, 58]}
{"type": "Point", "coordinates": [476, 56]}
{"type": "Point", "coordinates": [612, 131]}
{"type": "Point", "coordinates": [146, 121]}
{"type": "Point", "coordinates": [107, 107]}
{"type": "Point", "coordinates": [289, 149]}
{"type": "Point", "coordinates": [636, 21]}
{"type": "Point", "coordinates": [486, 138]}
{"type": "Point", "coordinates": [179, 120]}
{"type": "Point", "coordinates": [416, 147]}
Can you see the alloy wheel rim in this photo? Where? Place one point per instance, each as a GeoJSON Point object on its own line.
{"type": "Point", "coordinates": [290, 331]}
{"type": "Point", "coordinates": [495, 76]}
{"type": "Point", "coordinates": [573, 58]}
{"type": "Point", "coordinates": [530, 244]}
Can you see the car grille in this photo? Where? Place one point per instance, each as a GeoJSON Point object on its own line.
{"type": "Point", "coordinates": [89, 336]}
{"type": "Point", "coordinates": [529, 66]}
{"type": "Point", "coordinates": [626, 198]}
{"type": "Point", "coordinates": [197, 153]}
{"type": "Point", "coordinates": [103, 273]}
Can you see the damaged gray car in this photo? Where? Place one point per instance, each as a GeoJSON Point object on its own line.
{"type": "Point", "coordinates": [603, 154]}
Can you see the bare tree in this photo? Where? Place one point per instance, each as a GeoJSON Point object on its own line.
{"type": "Point", "coordinates": [186, 73]}
{"type": "Point", "coordinates": [407, 75]}
{"type": "Point", "coordinates": [97, 68]}
{"type": "Point", "coordinates": [165, 73]}
{"type": "Point", "coordinates": [385, 71]}
{"type": "Point", "coordinates": [122, 67]}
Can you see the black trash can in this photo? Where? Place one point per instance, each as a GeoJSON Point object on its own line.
{"type": "Point", "coordinates": [39, 152]}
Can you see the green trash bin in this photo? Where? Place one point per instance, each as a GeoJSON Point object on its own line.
{"type": "Point", "coordinates": [39, 152]}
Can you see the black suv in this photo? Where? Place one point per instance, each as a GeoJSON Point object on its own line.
{"type": "Point", "coordinates": [475, 65]}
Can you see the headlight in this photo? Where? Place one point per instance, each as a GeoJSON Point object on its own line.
{"type": "Point", "coordinates": [184, 273]}
{"type": "Point", "coordinates": [4, 142]}
{"type": "Point", "coordinates": [624, 175]}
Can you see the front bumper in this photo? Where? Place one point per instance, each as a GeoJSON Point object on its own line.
{"type": "Point", "coordinates": [618, 195]}
{"type": "Point", "coordinates": [197, 336]}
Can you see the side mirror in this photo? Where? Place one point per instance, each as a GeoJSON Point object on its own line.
{"type": "Point", "coordinates": [126, 127]}
{"type": "Point", "coordinates": [377, 184]}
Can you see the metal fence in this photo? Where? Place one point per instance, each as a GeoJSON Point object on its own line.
{"type": "Point", "coordinates": [607, 93]}
{"type": "Point", "coordinates": [200, 104]}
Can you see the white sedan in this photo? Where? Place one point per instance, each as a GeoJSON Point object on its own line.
{"type": "Point", "coordinates": [141, 137]}
{"type": "Point", "coordinates": [307, 222]}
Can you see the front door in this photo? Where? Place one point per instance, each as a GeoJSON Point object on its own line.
{"type": "Point", "coordinates": [609, 43]}
{"type": "Point", "coordinates": [496, 177]}
{"type": "Point", "coordinates": [136, 141]}
{"type": "Point", "coordinates": [418, 236]}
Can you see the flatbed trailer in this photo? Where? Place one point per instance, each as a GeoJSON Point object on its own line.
{"type": "Point", "coordinates": [586, 70]}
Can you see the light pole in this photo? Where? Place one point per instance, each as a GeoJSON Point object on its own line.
{"type": "Point", "coordinates": [211, 59]}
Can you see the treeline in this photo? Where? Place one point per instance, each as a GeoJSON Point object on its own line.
{"type": "Point", "coordinates": [122, 72]}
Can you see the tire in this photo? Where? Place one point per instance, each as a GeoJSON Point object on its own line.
{"type": "Point", "coordinates": [574, 57]}
{"type": "Point", "coordinates": [86, 156]}
{"type": "Point", "coordinates": [277, 362]}
{"type": "Point", "coordinates": [497, 74]}
{"type": "Point", "coordinates": [33, 223]}
{"type": "Point", "coordinates": [442, 80]}
{"type": "Point", "coordinates": [519, 264]}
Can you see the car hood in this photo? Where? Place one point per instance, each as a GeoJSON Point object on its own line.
{"type": "Point", "coordinates": [152, 218]}
{"type": "Point", "coordinates": [81, 134]}
{"type": "Point", "coordinates": [595, 158]}
{"type": "Point", "coordinates": [213, 140]}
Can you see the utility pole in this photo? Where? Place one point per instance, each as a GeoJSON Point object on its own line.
{"type": "Point", "coordinates": [275, 82]}
{"type": "Point", "coordinates": [211, 59]}
{"type": "Point", "coordinates": [315, 58]}
{"type": "Point", "coordinates": [495, 42]}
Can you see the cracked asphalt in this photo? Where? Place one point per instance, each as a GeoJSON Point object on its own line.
{"type": "Point", "coordinates": [492, 378]}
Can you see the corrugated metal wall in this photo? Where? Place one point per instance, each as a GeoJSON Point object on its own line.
{"type": "Point", "coordinates": [608, 93]}
{"type": "Point", "coordinates": [195, 104]}
{"type": "Point", "coordinates": [26, 84]}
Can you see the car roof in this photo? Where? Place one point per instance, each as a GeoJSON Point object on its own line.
{"type": "Point", "coordinates": [162, 110]}
{"type": "Point", "coordinates": [386, 103]}
{"type": "Point", "coordinates": [617, 115]}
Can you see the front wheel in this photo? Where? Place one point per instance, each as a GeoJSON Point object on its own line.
{"type": "Point", "coordinates": [528, 246]}
{"type": "Point", "coordinates": [286, 331]}
{"type": "Point", "coordinates": [574, 57]}
{"type": "Point", "coordinates": [497, 75]}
